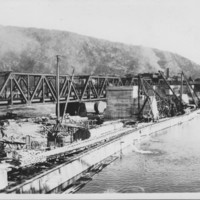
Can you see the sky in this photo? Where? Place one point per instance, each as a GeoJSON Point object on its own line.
{"type": "Point", "coordinates": [172, 25]}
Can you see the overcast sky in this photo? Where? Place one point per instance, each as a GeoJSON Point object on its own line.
{"type": "Point", "coordinates": [172, 25]}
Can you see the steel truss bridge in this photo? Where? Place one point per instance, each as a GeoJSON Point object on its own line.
{"type": "Point", "coordinates": [28, 88]}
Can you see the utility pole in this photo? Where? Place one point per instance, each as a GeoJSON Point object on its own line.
{"type": "Point", "coordinates": [139, 80]}
{"type": "Point", "coordinates": [181, 95]}
{"type": "Point", "coordinates": [68, 94]}
{"type": "Point", "coordinates": [58, 87]}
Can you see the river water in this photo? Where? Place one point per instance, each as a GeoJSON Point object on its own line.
{"type": "Point", "coordinates": [168, 162]}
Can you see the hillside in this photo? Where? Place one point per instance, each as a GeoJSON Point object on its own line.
{"type": "Point", "coordinates": [34, 50]}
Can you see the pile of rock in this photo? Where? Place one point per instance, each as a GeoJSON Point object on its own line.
{"type": "Point", "coordinates": [30, 157]}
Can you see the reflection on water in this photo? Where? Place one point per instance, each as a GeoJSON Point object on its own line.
{"type": "Point", "coordinates": [168, 162]}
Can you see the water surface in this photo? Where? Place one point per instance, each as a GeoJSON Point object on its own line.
{"type": "Point", "coordinates": [168, 162]}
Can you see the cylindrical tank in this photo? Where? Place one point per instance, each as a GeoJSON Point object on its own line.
{"type": "Point", "coordinates": [90, 107]}
{"type": "Point", "coordinates": [99, 107]}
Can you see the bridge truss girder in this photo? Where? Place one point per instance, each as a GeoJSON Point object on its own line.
{"type": "Point", "coordinates": [27, 88]}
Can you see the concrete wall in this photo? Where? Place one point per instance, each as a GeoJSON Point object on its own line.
{"type": "Point", "coordinates": [64, 174]}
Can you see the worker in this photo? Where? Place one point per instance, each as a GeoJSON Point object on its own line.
{"type": "Point", "coordinates": [173, 109]}
{"type": "Point", "coordinates": [51, 139]}
{"type": "Point", "coordinates": [54, 138]}
{"type": "Point", "coordinates": [100, 120]}
{"type": "Point", "coordinates": [166, 111]}
{"type": "Point", "coordinates": [149, 117]}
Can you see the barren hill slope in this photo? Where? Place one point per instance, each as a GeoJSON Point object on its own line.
{"type": "Point", "coordinates": [34, 50]}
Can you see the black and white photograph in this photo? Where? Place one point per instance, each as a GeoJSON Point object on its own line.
{"type": "Point", "coordinates": [100, 99]}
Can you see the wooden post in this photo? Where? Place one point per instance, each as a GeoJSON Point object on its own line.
{"type": "Point", "coordinates": [58, 89]}
{"type": "Point", "coordinates": [181, 95]}
{"type": "Point", "coordinates": [68, 94]}
{"type": "Point", "coordinates": [71, 135]}
{"type": "Point", "coordinates": [28, 141]}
